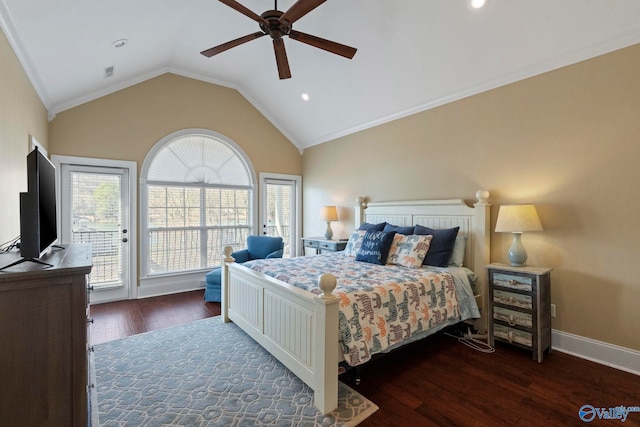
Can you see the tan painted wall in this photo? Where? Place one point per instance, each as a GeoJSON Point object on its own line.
{"type": "Point", "coordinates": [568, 141]}
{"type": "Point", "coordinates": [126, 124]}
{"type": "Point", "coordinates": [21, 114]}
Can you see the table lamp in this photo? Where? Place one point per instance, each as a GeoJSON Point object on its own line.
{"type": "Point", "coordinates": [328, 213]}
{"type": "Point", "coordinates": [517, 219]}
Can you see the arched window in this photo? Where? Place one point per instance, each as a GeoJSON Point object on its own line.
{"type": "Point", "coordinates": [197, 191]}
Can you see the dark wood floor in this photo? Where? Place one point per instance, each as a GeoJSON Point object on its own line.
{"type": "Point", "coordinates": [121, 319]}
{"type": "Point", "coordinates": [436, 382]}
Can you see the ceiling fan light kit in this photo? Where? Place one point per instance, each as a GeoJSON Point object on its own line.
{"type": "Point", "coordinates": [278, 24]}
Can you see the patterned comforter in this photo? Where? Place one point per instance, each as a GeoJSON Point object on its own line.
{"type": "Point", "coordinates": [381, 307]}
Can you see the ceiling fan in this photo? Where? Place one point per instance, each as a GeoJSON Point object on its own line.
{"type": "Point", "coordinates": [278, 24]}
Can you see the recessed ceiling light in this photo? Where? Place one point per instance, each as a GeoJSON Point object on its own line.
{"type": "Point", "coordinates": [304, 96]}
{"type": "Point", "coordinates": [119, 43]}
{"type": "Point", "coordinates": [478, 4]}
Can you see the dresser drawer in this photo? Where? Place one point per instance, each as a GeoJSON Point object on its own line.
{"type": "Point", "coordinates": [506, 280]}
{"type": "Point", "coordinates": [512, 299]}
{"type": "Point", "coordinates": [513, 335]}
{"type": "Point", "coordinates": [512, 317]}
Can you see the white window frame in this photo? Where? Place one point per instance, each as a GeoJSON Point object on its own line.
{"type": "Point", "coordinates": [167, 283]}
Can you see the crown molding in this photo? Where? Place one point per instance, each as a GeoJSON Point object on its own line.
{"type": "Point", "coordinates": [606, 46]}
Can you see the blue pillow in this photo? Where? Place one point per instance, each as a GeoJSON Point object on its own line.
{"type": "Point", "coordinates": [372, 227]}
{"type": "Point", "coordinates": [375, 247]}
{"type": "Point", "coordinates": [441, 246]}
{"type": "Point", "coordinates": [407, 231]}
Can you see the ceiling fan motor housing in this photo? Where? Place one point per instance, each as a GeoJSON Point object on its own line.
{"type": "Point", "coordinates": [275, 29]}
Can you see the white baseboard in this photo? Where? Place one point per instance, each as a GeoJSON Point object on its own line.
{"type": "Point", "coordinates": [604, 353]}
{"type": "Point", "coordinates": [166, 285]}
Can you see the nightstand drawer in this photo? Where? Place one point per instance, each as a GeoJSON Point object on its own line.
{"type": "Point", "coordinates": [332, 246]}
{"type": "Point", "coordinates": [512, 317]}
{"type": "Point", "coordinates": [512, 299]}
{"type": "Point", "coordinates": [311, 244]}
{"type": "Point", "coordinates": [513, 335]}
{"type": "Point", "coordinates": [506, 280]}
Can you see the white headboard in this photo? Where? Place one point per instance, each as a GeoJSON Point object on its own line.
{"type": "Point", "coordinates": [473, 220]}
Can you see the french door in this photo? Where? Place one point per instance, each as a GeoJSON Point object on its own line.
{"type": "Point", "coordinates": [280, 209]}
{"type": "Point", "coordinates": [95, 208]}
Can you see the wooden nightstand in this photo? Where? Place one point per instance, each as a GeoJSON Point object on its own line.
{"type": "Point", "coordinates": [520, 307]}
{"type": "Point", "coordinates": [320, 245]}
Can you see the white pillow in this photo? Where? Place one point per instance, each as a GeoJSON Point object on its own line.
{"type": "Point", "coordinates": [457, 256]}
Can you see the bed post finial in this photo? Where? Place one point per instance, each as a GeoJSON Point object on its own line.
{"type": "Point", "coordinates": [482, 196]}
{"type": "Point", "coordinates": [362, 202]}
{"type": "Point", "coordinates": [227, 251]}
{"type": "Point", "coordinates": [361, 205]}
{"type": "Point", "coordinates": [327, 283]}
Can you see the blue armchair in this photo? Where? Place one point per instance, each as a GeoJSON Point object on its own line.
{"type": "Point", "coordinates": [258, 247]}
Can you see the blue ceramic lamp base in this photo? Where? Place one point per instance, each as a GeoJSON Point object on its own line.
{"type": "Point", "coordinates": [328, 232]}
{"type": "Point", "coordinates": [517, 252]}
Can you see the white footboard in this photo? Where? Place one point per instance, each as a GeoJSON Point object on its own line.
{"type": "Point", "coordinates": [298, 328]}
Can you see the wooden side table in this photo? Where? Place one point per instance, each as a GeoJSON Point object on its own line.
{"type": "Point", "coordinates": [520, 307]}
{"type": "Point", "coordinates": [320, 245]}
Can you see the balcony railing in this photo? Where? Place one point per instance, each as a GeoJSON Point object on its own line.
{"type": "Point", "coordinates": [106, 255]}
{"type": "Point", "coordinates": [168, 250]}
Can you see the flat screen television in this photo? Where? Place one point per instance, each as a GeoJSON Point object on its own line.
{"type": "Point", "coordinates": [38, 230]}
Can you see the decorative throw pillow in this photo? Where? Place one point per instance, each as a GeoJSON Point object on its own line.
{"type": "Point", "coordinates": [408, 251]}
{"type": "Point", "coordinates": [457, 256]}
{"type": "Point", "coordinates": [372, 227]}
{"type": "Point", "coordinates": [398, 229]}
{"type": "Point", "coordinates": [375, 247]}
{"type": "Point", "coordinates": [441, 246]}
{"type": "Point", "coordinates": [354, 243]}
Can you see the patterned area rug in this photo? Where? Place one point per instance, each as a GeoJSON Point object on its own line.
{"type": "Point", "coordinates": [207, 373]}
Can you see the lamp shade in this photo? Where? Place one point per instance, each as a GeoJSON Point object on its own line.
{"type": "Point", "coordinates": [518, 218]}
{"type": "Point", "coordinates": [329, 213]}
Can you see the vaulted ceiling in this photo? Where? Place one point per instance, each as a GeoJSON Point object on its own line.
{"type": "Point", "coordinates": [412, 54]}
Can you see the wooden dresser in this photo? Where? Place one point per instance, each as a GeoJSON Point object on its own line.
{"type": "Point", "coordinates": [43, 339]}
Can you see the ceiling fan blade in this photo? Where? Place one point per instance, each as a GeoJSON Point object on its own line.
{"type": "Point", "coordinates": [245, 11]}
{"type": "Point", "coordinates": [328, 45]}
{"type": "Point", "coordinates": [299, 9]}
{"type": "Point", "coordinates": [233, 43]}
{"type": "Point", "coordinates": [281, 59]}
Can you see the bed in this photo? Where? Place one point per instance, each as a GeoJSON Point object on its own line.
{"type": "Point", "coordinates": [302, 328]}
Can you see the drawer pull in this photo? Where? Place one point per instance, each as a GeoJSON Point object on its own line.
{"type": "Point", "coordinates": [512, 320]}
